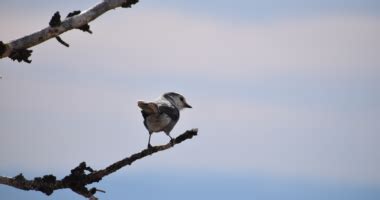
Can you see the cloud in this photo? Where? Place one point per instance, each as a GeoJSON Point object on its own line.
{"type": "Point", "coordinates": [280, 94]}
{"type": "Point", "coordinates": [167, 42]}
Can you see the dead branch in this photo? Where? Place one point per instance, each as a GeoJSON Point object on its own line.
{"type": "Point", "coordinates": [83, 175]}
{"type": "Point", "coordinates": [18, 49]}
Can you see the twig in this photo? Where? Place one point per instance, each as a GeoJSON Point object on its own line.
{"type": "Point", "coordinates": [82, 175]}
{"type": "Point", "coordinates": [74, 21]}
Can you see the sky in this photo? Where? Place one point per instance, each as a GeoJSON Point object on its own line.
{"type": "Point", "coordinates": [286, 96]}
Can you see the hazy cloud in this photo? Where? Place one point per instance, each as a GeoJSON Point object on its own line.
{"type": "Point", "coordinates": [295, 97]}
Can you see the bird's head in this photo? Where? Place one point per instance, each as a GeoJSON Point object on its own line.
{"type": "Point", "coordinates": [178, 100]}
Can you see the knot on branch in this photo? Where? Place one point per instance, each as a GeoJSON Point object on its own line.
{"type": "Point", "coordinates": [21, 181]}
{"type": "Point", "coordinates": [3, 47]}
{"type": "Point", "coordinates": [78, 174]}
{"type": "Point", "coordinates": [78, 179]}
{"type": "Point", "coordinates": [20, 178]}
{"type": "Point", "coordinates": [82, 167]}
{"type": "Point", "coordinates": [84, 28]}
{"type": "Point", "coordinates": [129, 3]}
{"type": "Point", "coordinates": [75, 12]}
{"type": "Point", "coordinates": [45, 184]}
{"type": "Point", "coordinates": [55, 20]}
{"type": "Point", "coordinates": [21, 55]}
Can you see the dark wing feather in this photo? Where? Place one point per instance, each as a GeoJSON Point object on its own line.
{"type": "Point", "coordinates": [173, 113]}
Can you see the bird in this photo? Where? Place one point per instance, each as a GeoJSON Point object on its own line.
{"type": "Point", "coordinates": [163, 113]}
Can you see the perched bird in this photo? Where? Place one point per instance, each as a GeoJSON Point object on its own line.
{"type": "Point", "coordinates": [163, 113]}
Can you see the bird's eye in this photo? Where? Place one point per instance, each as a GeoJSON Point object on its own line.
{"type": "Point", "coordinates": [181, 98]}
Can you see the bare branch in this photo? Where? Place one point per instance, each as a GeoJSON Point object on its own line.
{"type": "Point", "coordinates": [74, 20]}
{"type": "Point", "coordinates": [83, 175]}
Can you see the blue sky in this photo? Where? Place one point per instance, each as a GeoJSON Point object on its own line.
{"type": "Point", "coordinates": [285, 95]}
{"type": "Point", "coordinates": [150, 185]}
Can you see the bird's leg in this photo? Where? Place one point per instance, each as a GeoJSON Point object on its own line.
{"type": "Point", "coordinates": [149, 145]}
{"type": "Point", "coordinates": [171, 140]}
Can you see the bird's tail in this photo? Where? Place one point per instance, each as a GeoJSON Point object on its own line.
{"type": "Point", "coordinates": [148, 107]}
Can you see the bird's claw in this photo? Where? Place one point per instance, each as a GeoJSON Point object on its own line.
{"type": "Point", "coordinates": [172, 142]}
{"type": "Point", "coordinates": [150, 146]}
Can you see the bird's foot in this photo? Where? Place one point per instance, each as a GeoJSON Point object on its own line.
{"type": "Point", "coordinates": [150, 146]}
{"type": "Point", "coordinates": [172, 141]}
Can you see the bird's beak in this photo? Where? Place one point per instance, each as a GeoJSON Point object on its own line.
{"type": "Point", "coordinates": [187, 105]}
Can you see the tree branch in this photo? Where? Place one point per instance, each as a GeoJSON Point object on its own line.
{"type": "Point", "coordinates": [74, 20]}
{"type": "Point", "coordinates": [83, 175]}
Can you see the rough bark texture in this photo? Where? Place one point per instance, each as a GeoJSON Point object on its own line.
{"type": "Point", "coordinates": [83, 175]}
{"type": "Point", "coordinates": [18, 49]}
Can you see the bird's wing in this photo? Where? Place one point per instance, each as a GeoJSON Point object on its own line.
{"type": "Point", "coordinates": [172, 112]}
{"type": "Point", "coordinates": [148, 107]}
